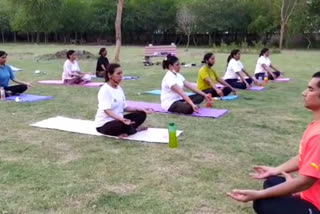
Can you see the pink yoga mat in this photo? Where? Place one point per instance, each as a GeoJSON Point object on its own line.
{"type": "Point", "coordinates": [282, 80]}
{"type": "Point", "coordinates": [204, 112]}
{"type": "Point", "coordinates": [59, 82]}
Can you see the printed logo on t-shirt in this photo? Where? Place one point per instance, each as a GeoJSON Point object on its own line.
{"type": "Point", "coordinates": [114, 100]}
{"type": "Point", "coordinates": [315, 166]}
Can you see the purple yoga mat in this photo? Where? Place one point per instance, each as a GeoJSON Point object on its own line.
{"type": "Point", "coordinates": [253, 88]}
{"type": "Point", "coordinates": [282, 80]}
{"type": "Point", "coordinates": [29, 98]}
{"type": "Point", "coordinates": [204, 112]}
{"type": "Point", "coordinates": [59, 82]}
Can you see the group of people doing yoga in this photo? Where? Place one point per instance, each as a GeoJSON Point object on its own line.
{"type": "Point", "coordinates": [281, 194]}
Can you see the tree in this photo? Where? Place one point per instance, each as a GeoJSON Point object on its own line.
{"type": "Point", "coordinates": [186, 22]}
{"type": "Point", "coordinates": [4, 19]}
{"type": "Point", "coordinates": [287, 8]}
{"type": "Point", "coordinates": [118, 30]}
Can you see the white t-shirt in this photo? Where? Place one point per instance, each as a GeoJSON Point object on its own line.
{"type": "Point", "coordinates": [70, 69]}
{"type": "Point", "coordinates": [168, 96]}
{"type": "Point", "coordinates": [262, 60]}
{"type": "Point", "coordinates": [109, 99]}
{"type": "Point", "coordinates": [234, 66]}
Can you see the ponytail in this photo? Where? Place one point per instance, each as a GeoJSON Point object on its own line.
{"type": "Point", "coordinates": [169, 60]}
{"type": "Point", "coordinates": [232, 54]}
{"type": "Point", "coordinates": [263, 51]}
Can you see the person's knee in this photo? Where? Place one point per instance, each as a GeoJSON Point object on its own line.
{"type": "Point", "coordinates": [142, 115]}
{"type": "Point", "coordinates": [23, 87]}
{"type": "Point", "coordinates": [258, 206]}
{"type": "Point", "coordinates": [226, 91]}
{"type": "Point", "coordinates": [277, 73]}
{"type": "Point", "coordinates": [273, 181]}
{"type": "Point", "coordinates": [188, 110]}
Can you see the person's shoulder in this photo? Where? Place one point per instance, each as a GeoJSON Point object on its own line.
{"type": "Point", "coordinates": [204, 68]}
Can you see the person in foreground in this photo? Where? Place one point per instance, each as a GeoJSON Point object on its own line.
{"type": "Point", "coordinates": [173, 98]}
{"type": "Point", "coordinates": [285, 194]}
{"type": "Point", "coordinates": [110, 118]}
{"type": "Point", "coordinates": [6, 74]}
{"type": "Point", "coordinates": [235, 71]}
{"type": "Point", "coordinates": [264, 68]}
{"type": "Point", "coordinates": [208, 78]}
{"type": "Point", "coordinates": [72, 74]}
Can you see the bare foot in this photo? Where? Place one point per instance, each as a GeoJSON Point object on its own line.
{"type": "Point", "coordinates": [123, 136]}
{"type": "Point", "coordinates": [141, 128]}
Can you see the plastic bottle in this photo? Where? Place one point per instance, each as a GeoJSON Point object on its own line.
{"type": "Point", "coordinates": [209, 102]}
{"type": "Point", "coordinates": [266, 80]}
{"type": "Point", "coordinates": [2, 94]}
{"type": "Point", "coordinates": [260, 80]}
{"type": "Point", "coordinates": [173, 140]}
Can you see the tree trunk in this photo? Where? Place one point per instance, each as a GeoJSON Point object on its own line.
{"type": "Point", "coordinates": [282, 32]}
{"type": "Point", "coordinates": [38, 37]}
{"type": "Point", "coordinates": [2, 34]}
{"type": "Point", "coordinates": [45, 37]}
{"type": "Point", "coordinates": [209, 40]}
{"type": "Point", "coordinates": [32, 39]}
{"type": "Point", "coordinates": [64, 38]}
{"type": "Point", "coordinates": [188, 42]}
{"type": "Point", "coordinates": [15, 37]}
{"type": "Point", "coordinates": [28, 37]}
{"type": "Point", "coordinates": [118, 30]}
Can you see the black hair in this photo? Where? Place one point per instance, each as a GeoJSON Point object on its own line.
{"type": "Point", "coordinates": [232, 54]}
{"type": "Point", "coordinates": [102, 50]}
{"type": "Point", "coordinates": [170, 60]}
{"type": "Point", "coordinates": [206, 57]}
{"type": "Point", "coordinates": [110, 70]}
{"type": "Point", "coordinates": [69, 53]}
{"type": "Point", "coordinates": [317, 75]}
{"type": "Point", "coordinates": [263, 51]}
{"type": "Point", "coordinates": [3, 53]}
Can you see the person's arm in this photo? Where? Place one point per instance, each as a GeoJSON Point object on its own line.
{"type": "Point", "coordinates": [103, 67]}
{"type": "Point", "coordinates": [252, 77]}
{"type": "Point", "coordinates": [21, 82]}
{"type": "Point", "coordinates": [243, 79]}
{"type": "Point", "coordinates": [289, 187]}
{"type": "Point", "coordinates": [194, 89]}
{"type": "Point", "coordinates": [263, 172]}
{"type": "Point", "coordinates": [269, 71]}
{"type": "Point", "coordinates": [179, 91]}
{"type": "Point", "coordinates": [274, 68]}
{"type": "Point", "coordinates": [135, 109]}
{"type": "Point", "coordinates": [110, 113]}
{"type": "Point", "coordinates": [223, 82]}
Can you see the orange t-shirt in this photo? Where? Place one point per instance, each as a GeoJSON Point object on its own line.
{"type": "Point", "coordinates": [309, 158]}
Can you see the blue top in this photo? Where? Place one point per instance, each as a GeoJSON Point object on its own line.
{"type": "Point", "coordinates": [5, 75]}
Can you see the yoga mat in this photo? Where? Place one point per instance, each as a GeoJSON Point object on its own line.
{"type": "Point", "coordinates": [158, 92]}
{"type": "Point", "coordinates": [152, 135]}
{"type": "Point", "coordinates": [30, 98]}
{"type": "Point", "coordinates": [14, 68]}
{"type": "Point", "coordinates": [282, 80]}
{"type": "Point", "coordinates": [59, 82]}
{"type": "Point", "coordinates": [203, 112]}
{"type": "Point", "coordinates": [230, 97]}
{"type": "Point", "coordinates": [124, 78]}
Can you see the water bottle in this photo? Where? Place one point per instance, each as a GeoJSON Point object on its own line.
{"type": "Point", "coordinates": [266, 80]}
{"type": "Point", "coordinates": [260, 80]}
{"type": "Point", "coordinates": [209, 102]}
{"type": "Point", "coordinates": [173, 140]}
{"type": "Point", "coordinates": [2, 94]}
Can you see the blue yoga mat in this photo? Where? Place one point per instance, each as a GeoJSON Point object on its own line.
{"type": "Point", "coordinates": [30, 98]}
{"type": "Point", "coordinates": [124, 78]}
{"type": "Point", "coordinates": [158, 92]}
{"type": "Point", "coordinates": [230, 97]}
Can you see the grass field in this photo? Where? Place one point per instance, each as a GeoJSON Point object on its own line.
{"type": "Point", "coordinates": [48, 171]}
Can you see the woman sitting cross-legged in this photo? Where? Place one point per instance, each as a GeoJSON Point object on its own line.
{"type": "Point", "coordinates": [71, 71]}
{"type": "Point", "coordinates": [264, 68]}
{"type": "Point", "coordinates": [173, 98]}
{"type": "Point", "coordinates": [110, 118]}
{"type": "Point", "coordinates": [235, 71]}
{"type": "Point", "coordinates": [6, 74]}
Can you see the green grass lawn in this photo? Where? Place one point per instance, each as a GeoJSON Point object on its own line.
{"type": "Point", "coordinates": [49, 171]}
